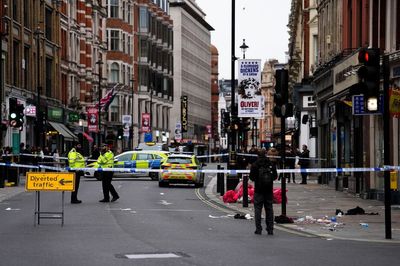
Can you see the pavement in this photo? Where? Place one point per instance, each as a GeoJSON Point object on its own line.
{"type": "Point", "coordinates": [312, 207]}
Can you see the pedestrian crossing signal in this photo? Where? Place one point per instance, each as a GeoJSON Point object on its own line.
{"type": "Point", "coordinates": [16, 113]}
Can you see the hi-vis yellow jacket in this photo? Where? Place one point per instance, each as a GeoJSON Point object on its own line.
{"type": "Point", "coordinates": [106, 160]}
{"type": "Point", "coordinates": [75, 159]}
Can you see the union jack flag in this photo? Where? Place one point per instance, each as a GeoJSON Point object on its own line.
{"type": "Point", "coordinates": [107, 99]}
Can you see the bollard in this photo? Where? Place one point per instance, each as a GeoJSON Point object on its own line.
{"type": "Point", "coordinates": [245, 191]}
{"type": "Point", "coordinates": [221, 181]}
{"type": "Point", "coordinates": [218, 179]}
{"type": "Point", "coordinates": [2, 174]}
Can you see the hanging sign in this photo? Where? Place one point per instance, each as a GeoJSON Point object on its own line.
{"type": "Point", "coordinates": [250, 100]}
{"type": "Point", "coordinates": [93, 118]}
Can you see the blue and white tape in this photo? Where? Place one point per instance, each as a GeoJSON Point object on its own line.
{"type": "Point", "coordinates": [209, 171]}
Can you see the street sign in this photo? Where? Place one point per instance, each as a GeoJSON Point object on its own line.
{"type": "Point", "coordinates": [358, 105]}
{"type": "Point", "coordinates": [50, 181]}
{"type": "Point", "coordinates": [127, 119]}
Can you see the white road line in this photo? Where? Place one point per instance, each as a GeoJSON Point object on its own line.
{"type": "Point", "coordinates": [152, 256]}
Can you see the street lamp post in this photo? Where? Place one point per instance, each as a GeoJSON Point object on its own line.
{"type": "Point", "coordinates": [245, 202]}
{"type": "Point", "coordinates": [244, 48]}
{"type": "Point", "coordinates": [132, 105]}
{"type": "Point", "coordinates": [39, 114]}
{"type": "Point", "coordinates": [100, 63]}
{"type": "Point", "coordinates": [232, 155]}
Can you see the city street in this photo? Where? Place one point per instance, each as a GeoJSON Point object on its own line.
{"type": "Point", "coordinates": [149, 225]}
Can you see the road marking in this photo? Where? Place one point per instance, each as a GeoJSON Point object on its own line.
{"type": "Point", "coordinates": [152, 256]}
{"type": "Point", "coordinates": [164, 202]}
{"type": "Point", "coordinates": [10, 209]}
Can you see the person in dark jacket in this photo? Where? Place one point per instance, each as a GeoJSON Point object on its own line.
{"type": "Point", "coordinates": [263, 194]}
{"type": "Point", "coordinates": [304, 163]}
{"type": "Point", "coordinates": [290, 162]}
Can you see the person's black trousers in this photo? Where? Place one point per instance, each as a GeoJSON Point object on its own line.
{"type": "Point", "coordinates": [304, 176]}
{"type": "Point", "coordinates": [74, 194]}
{"type": "Point", "coordinates": [264, 200]}
{"type": "Point", "coordinates": [107, 186]}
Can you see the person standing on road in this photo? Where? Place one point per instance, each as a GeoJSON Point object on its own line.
{"type": "Point", "coordinates": [76, 160]}
{"type": "Point", "coordinates": [95, 152]}
{"type": "Point", "coordinates": [304, 163]}
{"type": "Point", "coordinates": [106, 160]}
{"type": "Point", "coordinates": [263, 173]}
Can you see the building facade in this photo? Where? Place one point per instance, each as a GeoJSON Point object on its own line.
{"type": "Point", "coordinates": [345, 139]}
{"type": "Point", "coordinates": [153, 71]}
{"type": "Point", "coordinates": [214, 98]}
{"type": "Point", "coordinates": [192, 68]}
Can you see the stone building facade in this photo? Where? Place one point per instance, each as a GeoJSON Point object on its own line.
{"type": "Point", "coordinates": [192, 67]}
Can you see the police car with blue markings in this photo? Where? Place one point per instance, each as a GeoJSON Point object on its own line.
{"type": "Point", "coordinates": [135, 159]}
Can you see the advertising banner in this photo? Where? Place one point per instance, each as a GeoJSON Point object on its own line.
{"type": "Point", "coordinates": [93, 118]}
{"type": "Point", "coordinates": [145, 122]}
{"type": "Point", "coordinates": [184, 111]}
{"type": "Point", "coordinates": [178, 131]}
{"type": "Point", "coordinates": [394, 103]}
{"type": "Point", "coordinates": [250, 100]}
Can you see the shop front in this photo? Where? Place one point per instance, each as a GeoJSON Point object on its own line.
{"type": "Point", "coordinates": [58, 135]}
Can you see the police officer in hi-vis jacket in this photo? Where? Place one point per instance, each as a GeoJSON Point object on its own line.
{"type": "Point", "coordinates": [106, 160]}
{"type": "Point", "coordinates": [76, 160]}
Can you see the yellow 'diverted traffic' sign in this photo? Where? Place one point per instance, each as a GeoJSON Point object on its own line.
{"type": "Point", "coordinates": [50, 181]}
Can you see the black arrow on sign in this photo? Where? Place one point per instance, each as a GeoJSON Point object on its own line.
{"type": "Point", "coordinates": [62, 182]}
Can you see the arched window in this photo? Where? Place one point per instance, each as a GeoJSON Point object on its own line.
{"type": "Point", "coordinates": [114, 73]}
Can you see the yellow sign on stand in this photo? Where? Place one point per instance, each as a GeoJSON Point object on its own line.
{"type": "Point", "coordinates": [50, 181]}
{"type": "Point", "coordinates": [393, 180]}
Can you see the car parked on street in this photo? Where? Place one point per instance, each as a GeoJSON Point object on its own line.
{"type": "Point", "coordinates": [181, 162]}
{"type": "Point", "coordinates": [135, 159]}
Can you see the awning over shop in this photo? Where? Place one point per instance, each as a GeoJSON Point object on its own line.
{"type": "Point", "coordinates": [88, 137]}
{"type": "Point", "coordinates": [63, 130]}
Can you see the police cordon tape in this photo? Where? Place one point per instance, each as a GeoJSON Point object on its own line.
{"type": "Point", "coordinates": [199, 156]}
{"type": "Point", "coordinates": [212, 171]}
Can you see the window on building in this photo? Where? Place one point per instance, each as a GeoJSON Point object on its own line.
{"type": "Point", "coordinates": [114, 40]}
{"type": "Point", "coordinates": [114, 109]}
{"type": "Point", "coordinates": [143, 19]}
{"type": "Point", "coordinates": [124, 36]}
{"type": "Point", "coordinates": [27, 16]}
{"type": "Point", "coordinates": [143, 49]}
{"type": "Point", "coordinates": [124, 10]}
{"type": "Point", "coordinates": [49, 23]}
{"type": "Point", "coordinates": [49, 76]}
{"type": "Point", "coordinates": [64, 45]}
{"type": "Point", "coordinates": [15, 10]}
{"type": "Point", "coordinates": [114, 77]}
{"type": "Point", "coordinates": [26, 66]}
{"type": "Point", "coordinates": [130, 50]}
{"type": "Point", "coordinates": [129, 14]}
{"type": "Point", "coordinates": [16, 63]}
{"type": "Point", "coordinates": [124, 74]}
{"type": "Point", "coordinates": [114, 8]}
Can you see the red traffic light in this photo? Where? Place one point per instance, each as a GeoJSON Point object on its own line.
{"type": "Point", "coordinates": [363, 56]}
{"type": "Point", "coordinates": [369, 56]}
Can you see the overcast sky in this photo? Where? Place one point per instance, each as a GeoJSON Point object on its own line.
{"type": "Point", "coordinates": [263, 23]}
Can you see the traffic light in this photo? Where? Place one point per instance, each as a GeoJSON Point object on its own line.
{"type": "Point", "coordinates": [16, 113]}
{"type": "Point", "coordinates": [226, 120]}
{"type": "Point", "coordinates": [120, 133]}
{"type": "Point", "coordinates": [369, 75]}
{"type": "Point", "coordinates": [281, 91]}
{"type": "Point", "coordinates": [235, 125]}
{"type": "Point", "coordinates": [245, 124]}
